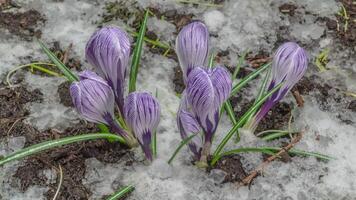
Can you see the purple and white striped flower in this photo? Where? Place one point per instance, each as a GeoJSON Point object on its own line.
{"type": "Point", "coordinates": [188, 126]}
{"type": "Point", "coordinates": [93, 97]}
{"type": "Point", "coordinates": [94, 100]}
{"type": "Point", "coordinates": [288, 66]}
{"type": "Point", "coordinates": [108, 49]}
{"type": "Point", "coordinates": [142, 115]}
{"type": "Point", "coordinates": [192, 47]}
{"type": "Point", "coordinates": [207, 89]}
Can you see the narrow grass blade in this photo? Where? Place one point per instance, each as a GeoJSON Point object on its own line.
{"type": "Point", "coordinates": [184, 142]}
{"type": "Point", "coordinates": [34, 65]}
{"type": "Point", "coordinates": [28, 151]}
{"type": "Point", "coordinates": [66, 72]}
{"type": "Point", "coordinates": [248, 78]}
{"type": "Point", "coordinates": [269, 151]}
{"type": "Point", "coordinates": [121, 193]}
{"type": "Point", "coordinates": [243, 119]}
{"type": "Point", "coordinates": [241, 150]}
{"type": "Point", "coordinates": [299, 152]}
{"type": "Point", "coordinates": [211, 60]}
{"type": "Point", "coordinates": [230, 112]}
{"type": "Point", "coordinates": [261, 92]}
{"type": "Point", "coordinates": [276, 135]}
{"type": "Point", "coordinates": [154, 141]}
{"type": "Point", "coordinates": [239, 65]}
{"type": "Point", "coordinates": [137, 54]}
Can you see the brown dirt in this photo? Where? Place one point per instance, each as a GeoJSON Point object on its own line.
{"type": "Point", "coordinates": [23, 24]}
{"type": "Point", "coordinates": [233, 167]}
{"type": "Point", "coordinates": [287, 8]}
{"type": "Point", "coordinates": [7, 4]}
{"type": "Point", "coordinates": [337, 27]}
{"type": "Point", "coordinates": [178, 80]}
{"type": "Point", "coordinates": [70, 157]}
{"type": "Point", "coordinates": [12, 101]}
{"type": "Point", "coordinates": [64, 95]}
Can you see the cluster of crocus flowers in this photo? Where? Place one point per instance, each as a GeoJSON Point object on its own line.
{"type": "Point", "coordinates": [288, 66]}
{"type": "Point", "coordinates": [95, 96]}
{"type": "Point", "coordinates": [206, 90]}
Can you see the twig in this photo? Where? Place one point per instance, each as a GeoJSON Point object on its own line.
{"type": "Point", "coordinates": [60, 182]}
{"type": "Point", "coordinates": [298, 98]}
{"type": "Point", "coordinates": [66, 53]}
{"type": "Point", "coordinates": [12, 126]}
{"type": "Point", "coordinates": [248, 180]}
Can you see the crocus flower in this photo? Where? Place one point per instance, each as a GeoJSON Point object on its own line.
{"type": "Point", "coordinates": [288, 66]}
{"type": "Point", "coordinates": [188, 126]}
{"type": "Point", "coordinates": [142, 114]}
{"type": "Point", "coordinates": [192, 47]}
{"type": "Point", "coordinates": [94, 100]}
{"type": "Point", "coordinates": [206, 91]}
{"type": "Point", "coordinates": [108, 49]}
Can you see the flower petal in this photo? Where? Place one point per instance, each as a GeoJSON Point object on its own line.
{"type": "Point", "coordinates": [192, 46]}
{"type": "Point", "coordinates": [207, 89]}
{"type": "Point", "coordinates": [108, 50]}
{"type": "Point", "coordinates": [289, 64]}
{"type": "Point", "coordinates": [93, 98]}
{"type": "Point", "coordinates": [142, 114]}
{"type": "Point", "coordinates": [188, 126]}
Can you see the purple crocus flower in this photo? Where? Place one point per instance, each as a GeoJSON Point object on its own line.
{"type": "Point", "coordinates": [94, 100]}
{"type": "Point", "coordinates": [108, 49]}
{"type": "Point", "coordinates": [192, 47]}
{"type": "Point", "coordinates": [288, 66]}
{"type": "Point", "coordinates": [206, 91]}
{"type": "Point", "coordinates": [188, 125]}
{"type": "Point", "coordinates": [142, 114]}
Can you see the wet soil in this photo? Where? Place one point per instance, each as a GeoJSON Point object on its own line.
{"type": "Point", "coordinates": [64, 95]}
{"type": "Point", "coordinates": [23, 24]}
{"type": "Point", "coordinates": [71, 158]}
{"type": "Point", "coordinates": [343, 27]}
{"type": "Point", "coordinates": [233, 168]}
{"type": "Point", "coordinates": [13, 100]}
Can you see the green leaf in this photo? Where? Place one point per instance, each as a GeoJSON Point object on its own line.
{"type": "Point", "coordinates": [248, 78]}
{"type": "Point", "coordinates": [56, 143]}
{"type": "Point", "coordinates": [241, 150]}
{"type": "Point", "coordinates": [260, 94]}
{"type": "Point", "coordinates": [243, 119]}
{"type": "Point", "coordinates": [270, 151]}
{"type": "Point", "coordinates": [239, 65]}
{"type": "Point", "coordinates": [211, 60]}
{"type": "Point", "coordinates": [67, 72]}
{"type": "Point", "coordinates": [154, 141]}
{"type": "Point", "coordinates": [230, 112]}
{"type": "Point", "coordinates": [121, 193]}
{"type": "Point", "coordinates": [275, 135]}
{"type": "Point", "coordinates": [137, 54]}
{"type": "Point", "coordinates": [184, 142]}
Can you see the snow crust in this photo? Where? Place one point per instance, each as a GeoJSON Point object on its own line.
{"type": "Point", "coordinates": [237, 26]}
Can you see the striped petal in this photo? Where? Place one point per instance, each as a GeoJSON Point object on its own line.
{"type": "Point", "coordinates": [192, 46]}
{"type": "Point", "coordinates": [92, 97]}
{"type": "Point", "coordinates": [188, 126]}
{"type": "Point", "coordinates": [207, 89]}
{"type": "Point", "coordinates": [288, 66]}
{"type": "Point", "coordinates": [142, 114]}
{"type": "Point", "coordinates": [108, 50]}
